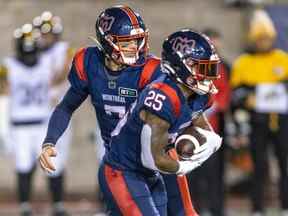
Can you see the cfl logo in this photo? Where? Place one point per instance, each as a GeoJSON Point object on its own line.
{"type": "Point", "coordinates": [106, 22]}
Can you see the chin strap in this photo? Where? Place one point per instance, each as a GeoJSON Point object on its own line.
{"type": "Point", "coordinates": [99, 46]}
{"type": "Point", "coordinates": [129, 60]}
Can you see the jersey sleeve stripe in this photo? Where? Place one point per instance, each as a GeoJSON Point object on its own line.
{"type": "Point", "coordinates": [184, 189]}
{"type": "Point", "coordinates": [120, 192]}
{"type": "Point", "coordinates": [148, 71]}
{"type": "Point", "coordinates": [131, 16]}
{"type": "Point", "coordinates": [79, 64]}
{"type": "Point", "coordinates": [172, 94]}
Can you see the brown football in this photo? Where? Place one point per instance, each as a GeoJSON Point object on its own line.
{"type": "Point", "coordinates": [185, 146]}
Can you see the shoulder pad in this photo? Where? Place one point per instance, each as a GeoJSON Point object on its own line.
{"type": "Point", "coordinates": [79, 63]}
{"type": "Point", "coordinates": [171, 94]}
{"type": "Point", "coordinates": [148, 70]}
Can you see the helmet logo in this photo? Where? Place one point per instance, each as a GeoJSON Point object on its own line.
{"type": "Point", "coordinates": [106, 22]}
{"type": "Point", "coordinates": [182, 44]}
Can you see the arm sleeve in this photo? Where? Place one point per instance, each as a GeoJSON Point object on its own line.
{"type": "Point", "coordinates": [199, 103]}
{"type": "Point", "coordinates": [62, 114]}
{"type": "Point", "coordinates": [157, 73]}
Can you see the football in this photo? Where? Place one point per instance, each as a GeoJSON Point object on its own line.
{"type": "Point", "coordinates": [188, 142]}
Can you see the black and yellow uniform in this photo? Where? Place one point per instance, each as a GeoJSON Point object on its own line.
{"type": "Point", "coordinates": [250, 73]}
{"type": "Point", "coordinates": [254, 69]}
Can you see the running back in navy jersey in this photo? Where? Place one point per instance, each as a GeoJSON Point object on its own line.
{"type": "Point", "coordinates": [162, 98]}
{"type": "Point", "coordinates": [111, 95]}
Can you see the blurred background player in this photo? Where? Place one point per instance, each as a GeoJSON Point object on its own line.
{"type": "Point", "coordinates": [207, 182]}
{"type": "Point", "coordinates": [52, 46]}
{"type": "Point", "coordinates": [129, 175]}
{"type": "Point", "coordinates": [259, 80]}
{"type": "Point", "coordinates": [28, 78]}
{"type": "Point", "coordinates": [60, 55]}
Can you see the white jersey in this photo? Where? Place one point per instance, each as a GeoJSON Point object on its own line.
{"type": "Point", "coordinates": [58, 56]}
{"type": "Point", "coordinates": [29, 90]}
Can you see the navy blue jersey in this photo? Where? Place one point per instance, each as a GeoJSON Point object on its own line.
{"type": "Point", "coordinates": [111, 95]}
{"type": "Point", "coordinates": [130, 145]}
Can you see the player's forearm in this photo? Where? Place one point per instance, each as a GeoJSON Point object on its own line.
{"type": "Point", "coordinates": [166, 164]}
{"type": "Point", "coordinates": [61, 116]}
{"type": "Point", "coordinates": [162, 160]}
{"type": "Point", "coordinates": [58, 123]}
{"type": "Point", "coordinates": [159, 141]}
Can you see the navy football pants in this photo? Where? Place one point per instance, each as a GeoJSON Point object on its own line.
{"type": "Point", "coordinates": [129, 194]}
{"type": "Point", "coordinates": [179, 200]}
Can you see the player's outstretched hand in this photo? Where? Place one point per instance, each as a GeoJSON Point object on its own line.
{"type": "Point", "coordinates": [44, 158]}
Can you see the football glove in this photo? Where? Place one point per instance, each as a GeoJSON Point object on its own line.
{"type": "Point", "coordinates": [212, 144]}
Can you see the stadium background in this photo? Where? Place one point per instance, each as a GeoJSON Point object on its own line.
{"type": "Point", "coordinates": [161, 17]}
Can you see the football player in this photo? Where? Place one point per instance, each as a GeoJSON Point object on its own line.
{"type": "Point", "coordinates": [113, 73]}
{"type": "Point", "coordinates": [28, 78]}
{"type": "Point", "coordinates": [53, 47]}
{"type": "Point", "coordinates": [129, 176]}
{"type": "Point", "coordinates": [60, 55]}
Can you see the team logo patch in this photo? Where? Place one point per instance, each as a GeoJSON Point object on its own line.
{"type": "Point", "coordinates": [279, 71]}
{"type": "Point", "coordinates": [127, 92]}
{"type": "Point", "coordinates": [111, 84]}
{"type": "Point", "coordinates": [106, 22]}
{"type": "Point", "coordinates": [182, 44]}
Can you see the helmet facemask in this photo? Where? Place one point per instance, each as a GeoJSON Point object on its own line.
{"type": "Point", "coordinates": [203, 72]}
{"type": "Point", "coordinates": [127, 49]}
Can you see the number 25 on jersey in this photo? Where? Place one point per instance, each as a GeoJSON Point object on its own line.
{"type": "Point", "coordinates": [154, 100]}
